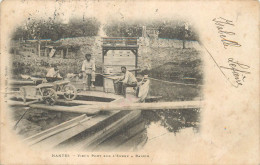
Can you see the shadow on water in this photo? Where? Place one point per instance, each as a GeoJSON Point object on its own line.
{"type": "Point", "coordinates": [173, 120]}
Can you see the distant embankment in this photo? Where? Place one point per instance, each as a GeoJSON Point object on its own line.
{"type": "Point", "coordinates": [173, 43]}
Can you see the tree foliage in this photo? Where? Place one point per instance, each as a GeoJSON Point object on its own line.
{"type": "Point", "coordinates": [177, 30]}
{"type": "Point", "coordinates": [123, 29]}
{"type": "Point", "coordinates": [174, 29]}
{"type": "Point", "coordinates": [54, 30]}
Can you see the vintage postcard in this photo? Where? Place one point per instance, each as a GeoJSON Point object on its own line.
{"type": "Point", "coordinates": [129, 82]}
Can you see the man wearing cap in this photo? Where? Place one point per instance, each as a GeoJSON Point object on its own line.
{"type": "Point", "coordinates": [128, 80]}
{"type": "Point", "coordinates": [88, 70]}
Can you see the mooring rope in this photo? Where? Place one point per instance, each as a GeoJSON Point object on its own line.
{"type": "Point", "coordinates": [171, 82]}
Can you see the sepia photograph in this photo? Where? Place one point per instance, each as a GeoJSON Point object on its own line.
{"type": "Point", "coordinates": [81, 84]}
{"type": "Point", "coordinates": [131, 82]}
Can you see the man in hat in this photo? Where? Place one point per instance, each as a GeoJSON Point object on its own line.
{"type": "Point", "coordinates": [127, 80]}
{"type": "Point", "coordinates": [53, 74]}
{"type": "Point", "coordinates": [88, 70]}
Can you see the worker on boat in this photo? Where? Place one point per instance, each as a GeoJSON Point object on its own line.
{"type": "Point", "coordinates": [127, 80]}
{"type": "Point", "coordinates": [53, 74]}
{"type": "Point", "coordinates": [88, 70]}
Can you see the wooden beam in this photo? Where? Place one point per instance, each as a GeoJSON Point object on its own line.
{"type": "Point", "coordinates": [121, 47]}
{"type": "Point", "coordinates": [132, 144]}
{"type": "Point", "coordinates": [15, 103]}
{"type": "Point", "coordinates": [121, 137]}
{"type": "Point", "coordinates": [68, 135]}
{"type": "Point", "coordinates": [136, 62]}
{"type": "Point", "coordinates": [45, 52]}
{"type": "Point", "coordinates": [54, 130]}
{"type": "Point", "coordinates": [104, 52]}
{"type": "Point", "coordinates": [102, 135]}
{"type": "Point", "coordinates": [74, 109]}
{"type": "Point", "coordinates": [152, 98]}
{"type": "Point", "coordinates": [62, 54]}
{"type": "Point", "coordinates": [19, 103]}
{"type": "Point", "coordinates": [79, 102]}
{"type": "Point", "coordinates": [17, 82]}
{"type": "Point", "coordinates": [146, 106]}
{"type": "Point", "coordinates": [94, 109]}
{"type": "Point", "coordinates": [39, 48]}
{"type": "Point", "coordinates": [134, 51]}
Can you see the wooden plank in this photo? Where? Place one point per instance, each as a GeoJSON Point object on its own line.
{"type": "Point", "coordinates": [133, 143]}
{"type": "Point", "coordinates": [93, 109]}
{"type": "Point", "coordinates": [15, 103]}
{"type": "Point", "coordinates": [12, 92]}
{"type": "Point", "coordinates": [152, 98]}
{"type": "Point", "coordinates": [144, 106]}
{"type": "Point", "coordinates": [102, 135]}
{"type": "Point", "coordinates": [19, 103]}
{"type": "Point", "coordinates": [75, 109]}
{"type": "Point", "coordinates": [122, 137]}
{"type": "Point", "coordinates": [100, 94]}
{"type": "Point", "coordinates": [62, 132]}
{"type": "Point", "coordinates": [83, 125]}
{"type": "Point", "coordinates": [136, 61]}
{"type": "Point", "coordinates": [54, 130]}
{"type": "Point", "coordinates": [59, 137]}
{"type": "Point", "coordinates": [17, 82]}
{"type": "Point", "coordinates": [79, 102]}
{"type": "Point", "coordinates": [32, 102]}
{"type": "Point", "coordinates": [112, 129]}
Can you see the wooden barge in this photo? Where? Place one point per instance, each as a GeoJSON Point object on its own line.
{"type": "Point", "coordinates": [92, 127]}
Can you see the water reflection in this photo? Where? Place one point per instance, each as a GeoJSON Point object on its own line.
{"type": "Point", "coordinates": [173, 120]}
{"type": "Point", "coordinates": [150, 126]}
{"type": "Point", "coordinates": [165, 126]}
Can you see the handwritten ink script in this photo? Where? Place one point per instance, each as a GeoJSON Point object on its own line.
{"type": "Point", "coordinates": [238, 70]}
{"type": "Point", "coordinates": [222, 25]}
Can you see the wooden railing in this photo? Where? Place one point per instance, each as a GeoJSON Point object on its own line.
{"type": "Point", "coordinates": [119, 41]}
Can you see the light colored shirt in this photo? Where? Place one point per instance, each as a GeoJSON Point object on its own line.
{"type": "Point", "coordinates": [129, 78]}
{"type": "Point", "coordinates": [53, 73]}
{"type": "Point", "coordinates": [88, 66]}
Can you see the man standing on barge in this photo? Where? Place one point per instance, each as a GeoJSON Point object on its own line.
{"type": "Point", "coordinates": [88, 70]}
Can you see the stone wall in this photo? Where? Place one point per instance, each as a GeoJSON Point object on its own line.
{"type": "Point", "coordinates": [153, 53]}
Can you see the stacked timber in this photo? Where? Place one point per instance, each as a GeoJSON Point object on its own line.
{"type": "Point", "coordinates": [84, 131]}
